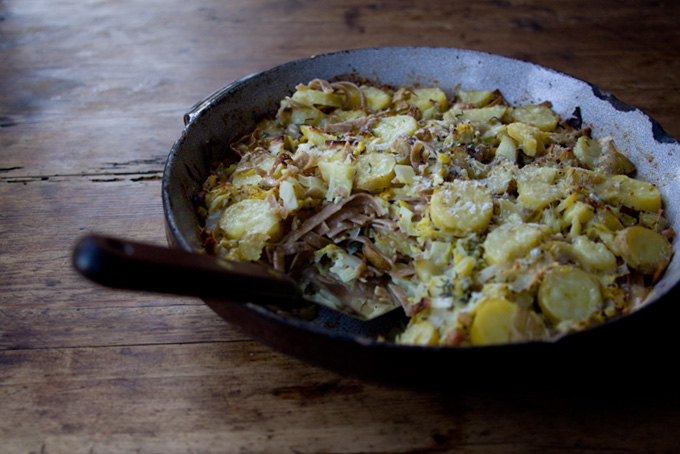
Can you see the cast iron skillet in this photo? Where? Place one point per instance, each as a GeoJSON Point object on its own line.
{"type": "Point", "coordinates": [611, 351]}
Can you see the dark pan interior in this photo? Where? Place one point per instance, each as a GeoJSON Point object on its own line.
{"type": "Point", "coordinates": [350, 347]}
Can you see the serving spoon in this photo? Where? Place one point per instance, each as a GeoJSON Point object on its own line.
{"type": "Point", "coordinates": [131, 265]}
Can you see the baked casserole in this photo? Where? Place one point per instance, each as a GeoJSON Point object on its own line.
{"type": "Point", "coordinates": [488, 223]}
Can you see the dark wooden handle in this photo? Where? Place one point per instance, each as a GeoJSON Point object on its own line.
{"type": "Point", "coordinates": [132, 265]}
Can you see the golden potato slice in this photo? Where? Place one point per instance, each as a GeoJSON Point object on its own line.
{"type": "Point", "coordinates": [529, 138]}
{"type": "Point", "coordinates": [250, 216]}
{"type": "Point", "coordinates": [430, 101]}
{"type": "Point", "coordinates": [643, 249]}
{"type": "Point", "coordinates": [477, 98]}
{"type": "Point", "coordinates": [587, 151]}
{"type": "Point", "coordinates": [593, 256]}
{"type": "Point", "coordinates": [492, 322]}
{"type": "Point", "coordinates": [536, 195]}
{"type": "Point", "coordinates": [507, 148]}
{"type": "Point", "coordinates": [629, 192]}
{"type": "Point", "coordinates": [374, 171]}
{"type": "Point", "coordinates": [388, 128]}
{"type": "Point", "coordinates": [340, 178]}
{"type": "Point", "coordinates": [315, 136]}
{"type": "Point", "coordinates": [462, 207]}
{"type": "Point", "coordinates": [482, 114]}
{"type": "Point", "coordinates": [420, 333]}
{"type": "Point", "coordinates": [538, 115]}
{"type": "Point", "coordinates": [376, 99]}
{"type": "Point", "coordinates": [569, 293]}
{"type": "Point", "coordinates": [511, 241]}
{"type": "Point", "coordinates": [311, 97]}
{"type": "Point", "coordinates": [303, 115]}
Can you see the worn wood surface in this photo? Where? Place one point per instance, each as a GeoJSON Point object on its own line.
{"type": "Point", "coordinates": [92, 95]}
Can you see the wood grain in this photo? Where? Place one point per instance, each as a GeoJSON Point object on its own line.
{"type": "Point", "coordinates": [92, 95]}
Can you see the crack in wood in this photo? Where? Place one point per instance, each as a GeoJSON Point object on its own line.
{"type": "Point", "coordinates": [160, 160]}
{"type": "Point", "coordinates": [149, 175]}
{"type": "Point", "coordinates": [6, 122]}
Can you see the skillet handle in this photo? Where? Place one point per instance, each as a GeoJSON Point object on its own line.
{"type": "Point", "coordinates": [132, 265]}
{"type": "Point", "coordinates": [199, 106]}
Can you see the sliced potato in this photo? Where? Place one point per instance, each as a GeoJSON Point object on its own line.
{"type": "Point", "coordinates": [250, 216]}
{"type": "Point", "coordinates": [340, 178]}
{"type": "Point", "coordinates": [511, 241]}
{"type": "Point", "coordinates": [462, 207]}
{"type": "Point", "coordinates": [420, 333]}
{"type": "Point", "coordinates": [374, 171]}
{"type": "Point", "coordinates": [430, 101]}
{"type": "Point", "coordinates": [593, 256]}
{"type": "Point", "coordinates": [245, 177]}
{"type": "Point", "coordinates": [607, 218]}
{"type": "Point", "coordinates": [500, 177]}
{"type": "Point", "coordinates": [643, 249]}
{"type": "Point", "coordinates": [579, 211]}
{"type": "Point", "coordinates": [250, 246]}
{"type": "Point", "coordinates": [536, 195]}
{"type": "Point", "coordinates": [538, 115]}
{"type": "Point", "coordinates": [311, 97]}
{"type": "Point", "coordinates": [577, 177]}
{"type": "Point", "coordinates": [603, 156]}
{"type": "Point", "coordinates": [527, 325]}
{"type": "Point", "coordinates": [612, 161]}
{"type": "Point", "coordinates": [537, 187]}
{"type": "Point", "coordinates": [529, 138]}
{"type": "Point", "coordinates": [477, 98]}
{"type": "Point", "coordinates": [483, 114]}
{"type": "Point", "coordinates": [388, 128]}
{"type": "Point", "coordinates": [315, 136]}
{"type": "Point", "coordinates": [507, 148]}
{"type": "Point", "coordinates": [569, 293]}
{"type": "Point", "coordinates": [404, 174]}
{"type": "Point", "coordinates": [587, 151]}
{"type": "Point", "coordinates": [247, 171]}
{"type": "Point", "coordinates": [376, 99]}
{"type": "Point", "coordinates": [636, 194]}
{"type": "Point", "coordinates": [288, 194]}
{"type": "Point", "coordinates": [302, 115]}
{"type": "Point", "coordinates": [492, 323]}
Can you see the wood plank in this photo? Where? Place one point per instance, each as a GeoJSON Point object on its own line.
{"type": "Point", "coordinates": [41, 221]}
{"type": "Point", "coordinates": [44, 302]}
{"type": "Point", "coordinates": [205, 397]}
{"type": "Point", "coordinates": [117, 323]}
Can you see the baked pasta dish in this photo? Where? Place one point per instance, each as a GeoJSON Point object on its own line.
{"type": "Point", "coordinates": [488, 223]}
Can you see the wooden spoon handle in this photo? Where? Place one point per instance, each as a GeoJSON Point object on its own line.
{"type": "Point", "coordinates": [132, 265]}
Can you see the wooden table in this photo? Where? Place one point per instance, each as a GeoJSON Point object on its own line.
{"type": "Point", "coordinates": [92, 95]}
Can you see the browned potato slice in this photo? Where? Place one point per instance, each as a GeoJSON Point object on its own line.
{"type": "Point", "coordinates": [643, 249]}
